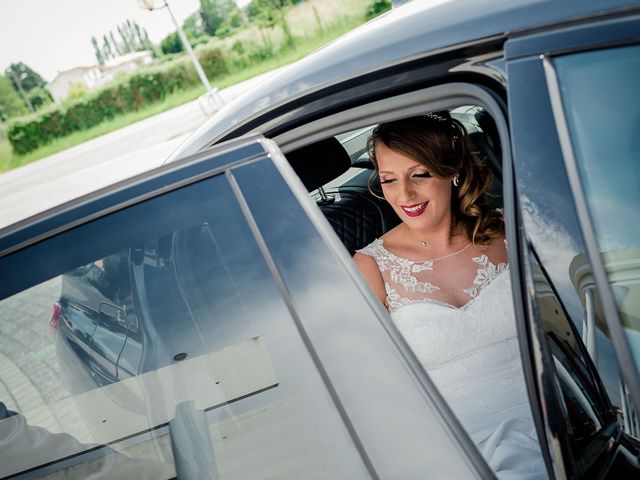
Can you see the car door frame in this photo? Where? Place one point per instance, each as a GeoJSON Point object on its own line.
{"type": "Point", "coordinates": [535, 51]}
{"type": "Point", "coordinates": [421, 408]}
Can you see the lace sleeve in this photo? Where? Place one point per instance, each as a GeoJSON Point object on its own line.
{"type": "Point", "coordinates": [370, 249]}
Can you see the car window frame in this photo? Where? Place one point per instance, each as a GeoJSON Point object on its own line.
{"type": "Point", "coordinates": [538, 49]}
{"type": "Point", "coordinates": [435, 98]}
{"type": "Point", "coordinates": [609, 33]}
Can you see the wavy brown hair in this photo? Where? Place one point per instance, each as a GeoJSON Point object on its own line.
{"type": "Point", "coordinates": [442, 145]}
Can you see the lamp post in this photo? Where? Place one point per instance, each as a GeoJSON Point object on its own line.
{"type": "Point", "coordinates": [212, 97]}
{"type": "Point", "coordinates": [18, 79]}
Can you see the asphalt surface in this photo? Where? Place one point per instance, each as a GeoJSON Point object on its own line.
{"type": "Point", "coordinates": [69, 174]}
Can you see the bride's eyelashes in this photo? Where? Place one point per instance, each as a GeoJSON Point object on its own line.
{"type": "Point", "coordinates": [386, 181]}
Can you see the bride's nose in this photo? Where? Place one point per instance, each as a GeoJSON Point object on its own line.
{"type": "Point", "coordinates": [407, 192]}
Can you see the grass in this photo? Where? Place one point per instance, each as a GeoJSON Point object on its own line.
{"type": "Point", "coordinates": [350, 15]}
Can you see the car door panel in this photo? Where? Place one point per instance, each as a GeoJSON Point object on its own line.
{"type": "Point", "coordinates": [222, 335]}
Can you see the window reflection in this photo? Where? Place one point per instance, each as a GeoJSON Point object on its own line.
{"type": "Point", "coordinates": [175, 342]}
{"type": "Point", "coordinates": [602, 107]}
{"type": "Point", "coordinates": [585, 408]}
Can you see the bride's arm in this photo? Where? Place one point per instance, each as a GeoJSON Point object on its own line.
{"type": "Point", "coordinates": [369, 269]}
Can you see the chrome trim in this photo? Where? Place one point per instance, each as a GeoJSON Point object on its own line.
{"type": "Point", "coordinates": [589, 330]}
{"type": "Point", "coordinates": [609, 306]}
{"type": "Point", "coordinates": [413, 103]}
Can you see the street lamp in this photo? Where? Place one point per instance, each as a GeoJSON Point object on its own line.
{"type": "Point", "coordinates": [212, 94]}
{"type": "Point", "coordinates": [18, 80]}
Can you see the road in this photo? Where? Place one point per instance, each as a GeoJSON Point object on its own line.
{"type": "Point", "coordinates": [102, 161]}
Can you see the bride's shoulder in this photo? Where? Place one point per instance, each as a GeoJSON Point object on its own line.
{"type": "Point", "coordinates": [394, 238]}
{"type": "Point", "coordinates": [495, 249]}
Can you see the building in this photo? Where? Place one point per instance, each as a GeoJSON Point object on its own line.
{"type": "Point", "coordinates": [127, 63]}
{"type": "Point", "coordinates": [88, 77]}
{"type": "Point", "coordinates": [95, 76]}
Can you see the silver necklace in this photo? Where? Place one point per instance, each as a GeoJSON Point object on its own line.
{"type": "Point", "coordinates": [421, 242]}
{"type": "Point", "coordinates": [425, 244]}
{"type": "Point", "coordinates": [451, 254]}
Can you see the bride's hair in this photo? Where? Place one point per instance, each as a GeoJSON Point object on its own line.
{"type": "Point", "coordinates": [442, 145]}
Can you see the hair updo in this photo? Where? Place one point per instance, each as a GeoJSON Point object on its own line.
{"type": "Point", "coordinates": [442, 145]}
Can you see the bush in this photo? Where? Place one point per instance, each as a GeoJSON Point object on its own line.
{"type": "Point", "coordinates": [132, 93]}
{"type": "Point", "coordinates": [171, 44]}
{"type": "Point", "coordinates": [212, 61]}
{"type": "Point", "coordinates": [77, 91]}
{"type": "Point", "coordinates": [377, 7]}
{"type": "Point", "coordinates": [39, 97]}
{"type": "Point", "coordinates": [244, 54]}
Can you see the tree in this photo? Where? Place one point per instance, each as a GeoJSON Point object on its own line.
{"type": "Point", "coordinates": [194, 26]}
{"type": "Point", "coordinates": [28, 78]}
{"type": "Point", "coordinates": [171, 44]}
{"type": "Point", "coordinates": [377, 7]}
{"type": "Point", "coordinates": [214, 12]}
{"type": "Point", "coordinates": [271, 14]}
{"type": "Point", "coordinates": [133, 39]}
{"type": "Point", "coordinates": [11, 105]}
{"type": "Point", "coordinates": [116, 49]}
{"type": "Point", "coordinates": [106, 49]}
{"type": "Point", "coordinates": [142, 37]}
{"type": "Point", "coordinates": [126, 44]}
{"type": "Point", "coordinates": [232, 21]}
{"type": "Point", "coordinates": [99, 55]}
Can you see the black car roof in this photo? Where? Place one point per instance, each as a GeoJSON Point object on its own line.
{"type": "Point", "coordinates": [404, 33]}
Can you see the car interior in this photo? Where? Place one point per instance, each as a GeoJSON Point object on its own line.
{"type": "Point", "coordinates": [340, 177]}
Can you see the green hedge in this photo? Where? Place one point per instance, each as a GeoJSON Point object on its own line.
{"type": "Point", "coordinates": [135, 92]}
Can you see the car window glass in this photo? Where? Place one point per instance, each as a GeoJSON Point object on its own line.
{"type": "Point", "coordinates": [599, 93]}
{"type": "Point", "coordinates": [549, 213]}
{"type": "Point", "coordinates": [583, 405]}
{"type": "Point", "coordinates": [163, 336]}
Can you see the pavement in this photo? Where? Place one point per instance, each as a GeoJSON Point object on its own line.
{"type": "Point", "coordinates": [51, 181]}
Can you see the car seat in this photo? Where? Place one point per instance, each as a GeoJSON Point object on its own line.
{"type": "Point", "coordinates": [355, 214]}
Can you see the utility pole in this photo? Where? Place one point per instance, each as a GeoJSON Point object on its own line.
{"type": "Point", "coordinates": [212, 96]}
{"type": "Point", "coordinates": [18, 79]}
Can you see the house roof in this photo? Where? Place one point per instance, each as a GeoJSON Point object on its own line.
{"type": "Point", "coordinates": [126, 58]}
{"type": "Point", "coordinates": [71, 71]}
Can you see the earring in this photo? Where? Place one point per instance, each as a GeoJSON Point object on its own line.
{"type": "Point", "coordinates": [456, 180]}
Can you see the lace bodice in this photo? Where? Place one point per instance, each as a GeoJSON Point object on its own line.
{"type": "Point", "coordinates": [470, 352]}
{"type": "Point", "coordinates": [407, 282]}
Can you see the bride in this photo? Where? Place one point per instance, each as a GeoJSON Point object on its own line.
{"type": "Point", "coordinates": [443, 275]}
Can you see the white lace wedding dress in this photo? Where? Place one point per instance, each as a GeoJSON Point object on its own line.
{"type": "Point", "coordinates": [471, 353]}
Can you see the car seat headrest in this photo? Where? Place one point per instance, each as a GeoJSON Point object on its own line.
{"type": "Point", "coordinates": [491, 135]}
{"type": "Point", "coordinates": [320, 162]}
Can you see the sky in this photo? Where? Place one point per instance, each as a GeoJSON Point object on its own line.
{"type": "Point", "coordinates": [54, 35]}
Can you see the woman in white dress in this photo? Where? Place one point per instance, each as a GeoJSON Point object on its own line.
{"type": "Point", "coordinates": [442, 273]}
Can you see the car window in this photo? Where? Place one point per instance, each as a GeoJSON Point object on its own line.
{"type": "Point", "coordinates": [162, 335]}
{"type": "Point", "coordinates": [584, 408]}
{"type": "Point", "coordinates": [602, 106]}
{"type": "Point", "coordinates": [579, 412]}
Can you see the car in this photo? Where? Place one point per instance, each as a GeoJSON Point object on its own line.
{"type": "Point", "coordinates": [205, 319]}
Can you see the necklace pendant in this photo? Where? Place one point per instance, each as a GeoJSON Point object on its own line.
{"type": "Point", "coordinates": [424, 244]}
